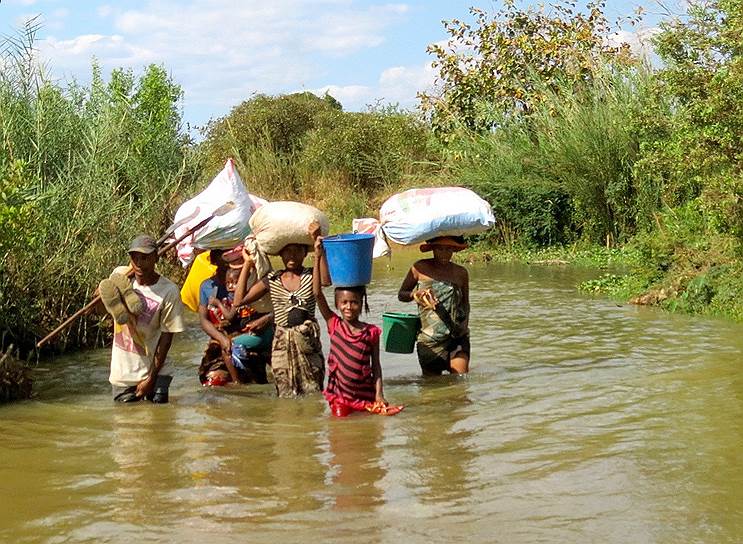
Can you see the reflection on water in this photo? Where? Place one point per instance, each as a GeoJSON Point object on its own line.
{"type": "Point", "coordinates": [582, 421]}
{"type": "Point", "coordinates": [354, 469]}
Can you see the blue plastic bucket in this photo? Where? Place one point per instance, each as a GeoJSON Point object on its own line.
{"type": "Point", "coordinates": [349, 258]}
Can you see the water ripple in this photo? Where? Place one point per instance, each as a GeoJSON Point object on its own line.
{"type": "Point", "coordinates": [582, 421]}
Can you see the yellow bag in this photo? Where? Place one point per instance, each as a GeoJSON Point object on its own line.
{"type": "Point", "coordinates": [201, 269]}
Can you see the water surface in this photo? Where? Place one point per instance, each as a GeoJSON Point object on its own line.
{"type": "Point", "coordinates": [581, 421]}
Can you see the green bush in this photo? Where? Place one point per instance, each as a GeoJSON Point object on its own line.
{"type": "Point", "coordinates": [528, 211]}
{"type": "Point", "coordinates": [372, 150]}
{"type": "Point", "coordinates": [82, 170]}
{"type": "Point", "coordinates": [264, 134]}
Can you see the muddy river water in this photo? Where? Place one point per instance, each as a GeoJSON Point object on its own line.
{"type": "Point", "coordinates": [582, 421]}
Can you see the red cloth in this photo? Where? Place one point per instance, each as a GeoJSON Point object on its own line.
{"type": "Point", "coordinates": [350, 379]}
{"type": "Point", "coordinates": [350, 376]}
{"type": "Point", "coordinates": [340, 407]}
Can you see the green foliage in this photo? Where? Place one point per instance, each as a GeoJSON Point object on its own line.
{"type": "Point", "coordinates": [264, 126]}
{"type": "Point", "coordinates": [81, 171]}
{"type": "Point", "coordinates": [566, 170]}
{"type": "Point", "coordinates": [679, 246]}
{"type": "Point", "coordinates": [16, 208]}
{"type": "Point", "coordinates": [605, 284]}
{"type": "Point", "coordinates": [704, 74]}
{"type": "Point", "coordinates": [508, 60]}
{"type": "Point", "coordinates": [533, 211]}
{"type": "Point", "coordinates": [715, 292]}
{"type": "Point", "coordinates": [284, 146]}
{"type": "Point", "coordinates": [588, 144]}
{"type": "Point", "coordinates": [371, 150]}
{"type": "Point", "coordinates": [528, 210]}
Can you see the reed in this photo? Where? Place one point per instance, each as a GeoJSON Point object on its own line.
{"type": "Point", "coordinates": [15, 377]}
{"type": "Point", "coordinates": [566, 170]}
{"type": "Point", "coordinates": [82, 170]}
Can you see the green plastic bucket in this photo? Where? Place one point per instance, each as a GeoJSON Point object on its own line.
{"type": "Point", "coordinates": [399, 331]}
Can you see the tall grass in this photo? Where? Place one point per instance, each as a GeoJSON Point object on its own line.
{"type": "Point", "coordinates": [83, 169]}
{"type": "Point", "coordinates": [302, 147]}
{"type": "Point", "coordinates": [565, 170]}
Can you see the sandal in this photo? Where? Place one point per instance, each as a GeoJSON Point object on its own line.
{"type": "Point", "coordinates": [130, 296]}
{"type": "Point", "coordinates": [111, 298]}
{"type": "Point", "coordinates": [384, 409]}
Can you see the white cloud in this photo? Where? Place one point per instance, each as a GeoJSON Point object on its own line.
{"type": "Point", "coordinates": [404, 78]}
{"type": "Point", "coordinates": [639, 41]}
{"type": "Point", "coordinates": [74, 56]}
{"type": "Point", "coordinates": [350, 96]}
{"type": "Point", "coordinates": [222, 51]}
{"type": "Point", "coordinates": [398, 84]}
{"type": "Point", "coordinates": [342, 34]}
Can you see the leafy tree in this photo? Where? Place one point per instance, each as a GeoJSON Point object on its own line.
{"type": "Point", "coordinates": [279, 122]}
{"type": "Point", "coordinates": [505, 61]}
{"type": "Point", "coordinates": [703, 73]}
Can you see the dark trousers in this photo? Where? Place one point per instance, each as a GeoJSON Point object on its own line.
{"type": "Point", "coordinates": [158, 396]}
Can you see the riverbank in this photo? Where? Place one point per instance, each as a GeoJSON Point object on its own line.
{"type": "Point", "coordinates": [699, 279]}
{"type": "Point", "coordinates": [576, 254]}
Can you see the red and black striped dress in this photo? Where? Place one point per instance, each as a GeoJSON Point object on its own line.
{"type": "Point", "coordinates": [350, 378]}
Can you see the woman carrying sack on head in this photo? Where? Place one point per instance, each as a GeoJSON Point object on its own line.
{"type": "Point", "coordinates": [442, 295]}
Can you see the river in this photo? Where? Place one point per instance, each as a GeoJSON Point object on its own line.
{"type": "Point", "coordinates": [582, 421]}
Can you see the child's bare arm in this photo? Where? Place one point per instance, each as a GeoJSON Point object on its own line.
{"type": "Point", "coordinates": [242, 281]}
{"type": "Point", "coordinates": [322, 303]}
{"type": "Point", "coordinates": [227, 358]}
{"type": "Point", "coordinates": [255, 292]}
{"type": "Point", "coordinates": [209, 328]}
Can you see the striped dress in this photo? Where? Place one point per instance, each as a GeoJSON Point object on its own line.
{"type": "Point", "coordinates": [350, 377]}
{"type": "Point", "coordinates": [288, 304]}
{"type": "Point", "coordinates": [296, 354]}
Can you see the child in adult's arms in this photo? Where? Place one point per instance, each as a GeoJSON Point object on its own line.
{"type": "Point", "coordinates": [442, 295]}
{"type": "Point", "coordinates": [246, 330]}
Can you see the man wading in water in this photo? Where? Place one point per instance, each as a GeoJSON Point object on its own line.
{"type": "Point", "coordinates": [147, 313]}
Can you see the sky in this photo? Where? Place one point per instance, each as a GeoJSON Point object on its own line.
{"type": "Point", "coordinates": [222, 52]}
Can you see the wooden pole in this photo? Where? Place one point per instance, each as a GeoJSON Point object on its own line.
{"type": "Point", "coordinates": [90, 305]}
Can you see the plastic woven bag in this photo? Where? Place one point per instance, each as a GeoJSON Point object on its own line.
{"type": "Point", "coordinates": [221, 232]}
{"type": "Point", "coordinates": [277, 224]}
{"type": "Point", "coordinates": [370, 225]}
{"type": "Point", "coordinates": [420, 214]}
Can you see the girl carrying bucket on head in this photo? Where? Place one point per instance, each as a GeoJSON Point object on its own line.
{"type": "Point", "coordinates": [354, 370]}
{"type": "Point", "coordinates": [442, 295]}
